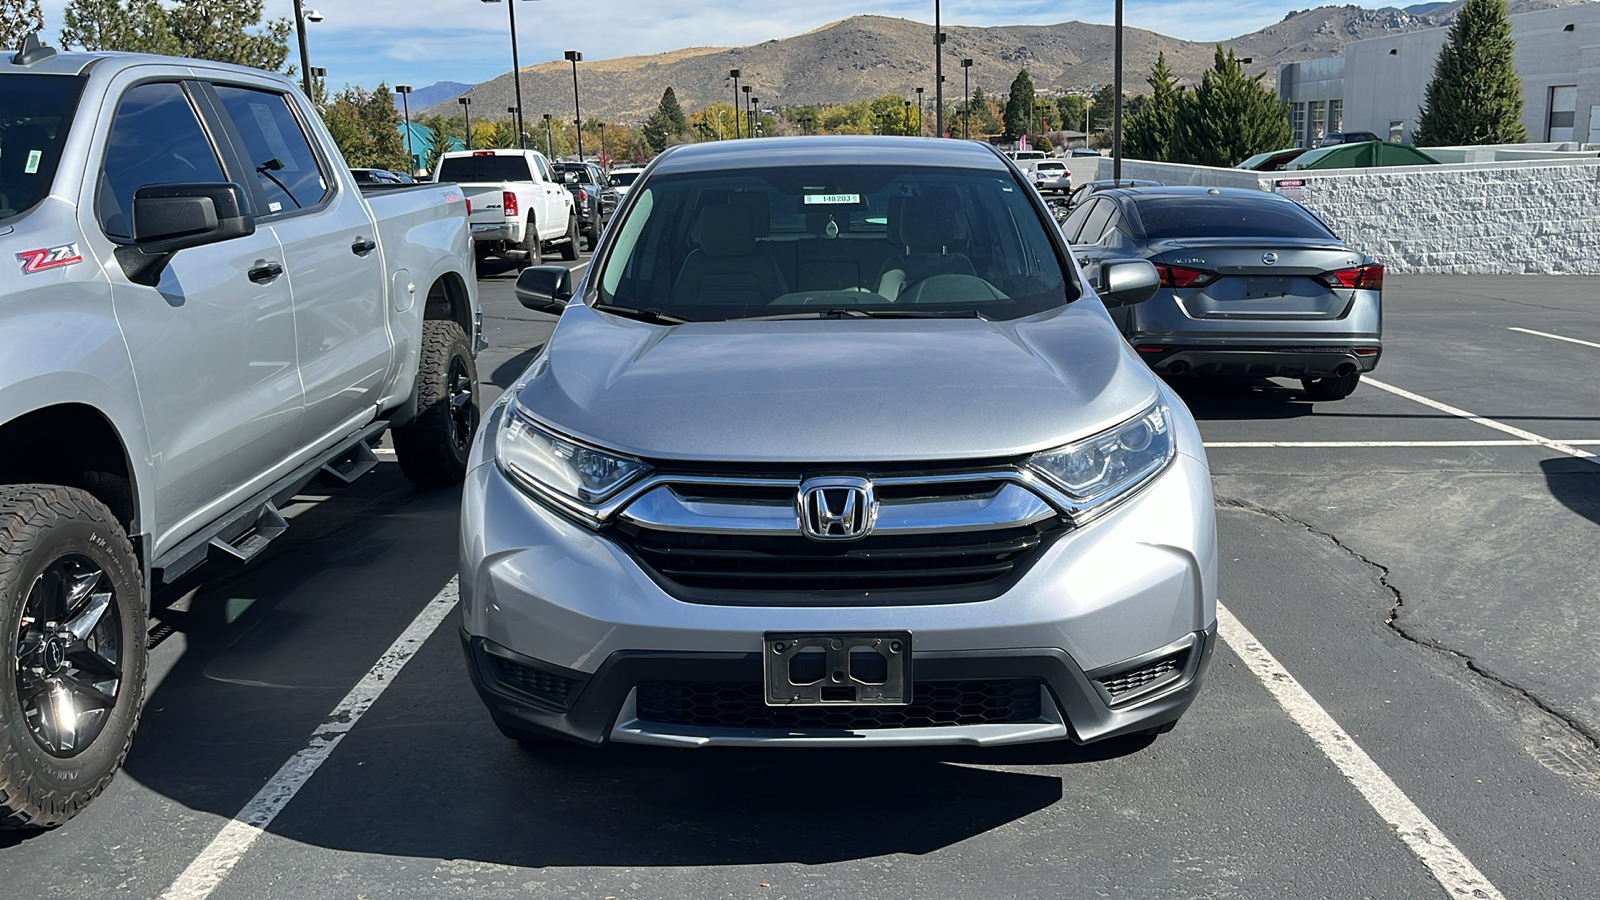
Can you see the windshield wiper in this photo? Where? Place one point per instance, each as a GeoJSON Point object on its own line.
{"type": "Point", "coordinates": [858, 313]}
{"type": "Point", "coordinates": [643, 315]}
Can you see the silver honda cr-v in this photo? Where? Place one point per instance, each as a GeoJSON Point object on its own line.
{"type": "Point", "coordinates": [833, 446]}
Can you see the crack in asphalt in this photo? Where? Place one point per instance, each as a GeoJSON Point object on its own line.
{"type": "Point", "coordinates": [1392, 620]}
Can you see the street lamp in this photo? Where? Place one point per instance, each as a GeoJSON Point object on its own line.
{"type": "Point", "coordinates": [734, 74]}
{"type": "Point", "coordinates": [938, 72]}
{"type": "Point", "coordinates": [602, 155]}
{"type": "Point", "coordinates": [575, 58]}
{"type": "Point", "coordinates": [301, 17]}
{"type": "Point", "coordinates": [966, 99]}
{"type": "Point", "coordinates": [467, 114]}
{"type": "Point", "coordinates": [516, 70]}
{"type": "Point", "coordinates": [905, 128]}
{"type": "Point", "coordinates": [919, 112]}
{"type": "Point", "coordinates": [1116, 106]}
{"type": "Point", "coordinates": [755, 115]}
{"type": "Point", "coordinates": [404, 90]}
{"type": "Point", "coordinates": [549, 141]}
{"type": "Point", "coordinates": [747, 129]}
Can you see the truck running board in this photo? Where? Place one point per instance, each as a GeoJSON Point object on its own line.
{"type": "Point", "coordinates": [358, 462]}
{"type": "Point", "coordinates": [269, 524]}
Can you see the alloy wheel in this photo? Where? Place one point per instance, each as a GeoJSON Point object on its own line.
{"type": "Point", "coordinates": [69, 655]}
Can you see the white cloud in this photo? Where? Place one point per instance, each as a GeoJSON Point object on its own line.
{"type": "Point", "coordinates": [423, 41]}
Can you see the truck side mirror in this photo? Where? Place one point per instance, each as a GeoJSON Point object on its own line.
{"type": "Point", "coordinates": [545, 288]}
{"type": "Point", "coordinates": [1124, 282]}
{"type": "Point", "coordinates": [172, 217]}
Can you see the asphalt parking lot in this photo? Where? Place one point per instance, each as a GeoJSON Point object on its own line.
{"type": "Point", "coordinates": [1404, 705]}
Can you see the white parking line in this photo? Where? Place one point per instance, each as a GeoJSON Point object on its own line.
{"type": "Point", "coordinates": [1448, 865]}
{"type": "Point", "coordinates": [1555, 337]}
{"type": "Point", "coordinates": [228, 847]}
{"type": "Point", "coordinates": [1559, 446]}
{"type": "Point", "coordinates": [1259, 445]}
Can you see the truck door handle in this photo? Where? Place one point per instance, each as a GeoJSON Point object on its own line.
{"type": "Point", "coordinates": [363, 246]}
{"type": "Point", "coordinates": [266, 272]}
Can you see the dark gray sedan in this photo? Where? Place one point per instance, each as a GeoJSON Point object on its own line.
{"type": "Point", "coordinates": [1251, 284]}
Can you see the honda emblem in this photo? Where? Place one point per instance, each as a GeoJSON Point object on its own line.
{"type": "Point", "coordinates": [837, 508]}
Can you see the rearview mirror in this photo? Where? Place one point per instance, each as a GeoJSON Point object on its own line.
{"type": "Point", "coordinates": [1124, 282]}
{"type": "Point", "coordinates": [545, 288]}
{"type": "Point", "coordinates": [172, 217]}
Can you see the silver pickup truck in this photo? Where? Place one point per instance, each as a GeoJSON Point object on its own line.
{"type": "Point", "coordinates": [200, 311]}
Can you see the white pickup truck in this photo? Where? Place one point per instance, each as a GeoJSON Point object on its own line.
{"type": "Point", "coordinates": [201, 312]}
{"type": "Point", "coordinates": [519, 205]}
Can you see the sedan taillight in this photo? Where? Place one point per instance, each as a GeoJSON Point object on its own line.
{"type": "Point", "coordinates": [1365, 278]}
{"type": "Point", "coordinates": [510, 204]}
{"type": "Point", "coordinates": [1180, 277]}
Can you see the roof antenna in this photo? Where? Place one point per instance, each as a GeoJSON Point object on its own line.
{"type": "Point", "coordinates": [32, 51]}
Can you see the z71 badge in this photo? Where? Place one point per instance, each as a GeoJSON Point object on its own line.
{"type": "Point", "coordinates": [52, 258]}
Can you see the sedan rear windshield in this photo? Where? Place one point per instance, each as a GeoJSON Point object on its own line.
{"type": "Point", "coordinates": [480, 169]}
{"type": "Point", "coordinates": [35, 112]}
{"type": "Point", "coordinates": [624, 179]}
{"type": "Point", "coordinates": [1201, 217]}
{"type": "Point", "coordinates": [834, 240]}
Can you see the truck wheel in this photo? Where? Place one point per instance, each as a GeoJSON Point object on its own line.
{"type": "Point", "coordinates": [532, 248]}
{"type": "Point", "coordinates": [1334, 387]}
{"type": "Point", "coordinates": [569, 249]}
{"type": "Point", "coordinates": [72, 662]}
{"type": "Point", "coordinates": [591, 239]}
{"type": "Point", "coordinates": [433, 448]}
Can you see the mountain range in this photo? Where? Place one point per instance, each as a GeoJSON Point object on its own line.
{"type": "Point", "coordinates": [868, 56]}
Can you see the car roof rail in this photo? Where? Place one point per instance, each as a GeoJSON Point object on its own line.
{"type": "Point", "coordinates": [32, 51]}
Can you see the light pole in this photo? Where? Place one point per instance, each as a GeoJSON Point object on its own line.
{"type": "Point", "coordinates": [966, 99]}
{"type": "Point", "coordinates": [1116, 107]}
{"type": "Point", "coordinates": [301, 17]}
{"type": "Point", "coordinates": [404, 90]}
{"type": "Point", "coordinates": [601, 158]}
{"type": "Point", "coordinates": [919, 112]}
{"type": "Point", "coordinates": [755, 116]}
{"type": "Point", "coordinates": [516, 70]}
{"type": "Point", "coordinates": [938, 72]}
{"type": "Point", "coordinates": [467, 114]}
{"type": "Point", "coordinates": [746, 112]}
{"type": "Point", "coordinates": [734, 74]}
{"type": "Point", "coordinates": [905, 128]}
{"type": "Point", "coordinates": [575, 58]}
{"type": "Point", "coordinates": [549, 141]}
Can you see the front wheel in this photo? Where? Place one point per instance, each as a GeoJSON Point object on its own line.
{"type": "Point", "coordinates": [72, 665]}
{"type": "Point", "coordinates": [569, 248]}
{"type": "Point", "coordinates": [433, 448]}
{"type": "Point", "coordinates": [1333, 387]}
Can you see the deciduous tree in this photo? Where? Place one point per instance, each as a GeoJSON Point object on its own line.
{"type": "Point", "coordinates": [1475, 96]}
{"type": "Point", "coordinates": [229, 31]}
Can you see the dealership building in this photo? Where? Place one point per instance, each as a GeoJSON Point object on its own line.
{"type": "Point", "coordinates": [1379, 84]}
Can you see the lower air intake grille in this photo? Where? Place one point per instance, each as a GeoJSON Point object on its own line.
{"type": "Point", "coordinates": [537, 683]}
{"type": "Point", "coordinates": [933, 703]}
{"type": "Point", "coordinates": [1126, 685]}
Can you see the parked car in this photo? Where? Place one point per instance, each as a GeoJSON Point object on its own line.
{"type": "Point", "coordinates": [1083, 192]}
{"type": "Point", "coordinates": [520, 206]}
{"type": "Point", "coordinates": [1271, 161]}
{"type": "Point", "coordinates": [622, 179]}
{"type": "Point", "coordinates": [203, 312]}
{"type": "Point", "coordinates": [593, 197]}
{"type": "Point", "coordinates": [1361, 156]}
{"type": "Point", "coordinates": [811, 459]}
{"type": "Point", "coordinates": [1251, 284]}
{"type": "Point", "coordinates": [1335, 138]}
{"type": "Point", "coordinates": [1051, 175]}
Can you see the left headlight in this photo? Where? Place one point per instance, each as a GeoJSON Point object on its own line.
{"type": "Point", "coordinates": [1100, 470]}
{"type": "Point", "coordinates": [574, 475]}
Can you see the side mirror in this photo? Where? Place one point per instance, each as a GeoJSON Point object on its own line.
{"type": "Point", "coordinates": [545, 288]}
{"type": "Point", "coordinates": [1124, 282]}
{"type": "Point", "coordinates": [172, 217]}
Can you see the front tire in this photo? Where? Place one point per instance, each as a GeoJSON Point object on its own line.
{"type": "Point", "coordinates": [73, 659]}
{"type": "Point", "coordinates": [1333, 387]}
{"type": "Point", "coordinates": [433, 448]}
{"type": "Point", "coordinates": [569, 248]}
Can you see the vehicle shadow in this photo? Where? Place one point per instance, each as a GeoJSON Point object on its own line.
{"type": "Point", "coordinates": [1575, 483]}
{"type": "Point", "coordinates": [1241, 398]}
{"type": "Point", "coordinates": [506, 373]}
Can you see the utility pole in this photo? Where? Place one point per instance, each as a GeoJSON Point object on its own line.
{"type": "Point", "coordinates": [1116, 107]}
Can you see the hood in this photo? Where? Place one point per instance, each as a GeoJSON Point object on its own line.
{"type": "Point", "coordinates": [838, 391]}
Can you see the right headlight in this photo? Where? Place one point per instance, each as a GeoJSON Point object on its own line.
{"type": "Point", "coordinates": [1098, 471]}
{"type": "Point", "coordinates": [559, 469]}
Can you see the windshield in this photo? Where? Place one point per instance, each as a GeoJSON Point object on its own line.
{"type": "Point", "coordinates": [480, 169]}
{"type": "Point", "coordinates": [821, 239]}
{"type": "Point", "coordinates": [35, 112]}
{"type": "Point", "coordinates": [1176, 217]}
{"type": "Point", "coordinates": [624, 179]}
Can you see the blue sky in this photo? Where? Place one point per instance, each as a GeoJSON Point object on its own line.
{"type": "Point", "coordinates": [424, 41]}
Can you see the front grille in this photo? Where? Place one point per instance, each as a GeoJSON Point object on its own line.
{"type": "Point", "coordinates": [537, 683]}
{"type": "Point", "coordinates": [720, 704]}
{"type": "Point", "coordinates": [874, 563]}
{"type": "Point", "coordinates": [1125, 685]}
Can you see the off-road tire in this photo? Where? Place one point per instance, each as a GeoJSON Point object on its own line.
{"type": "Point", "coordinates": [1333, 387]}
{"type": "Point", "coordinates": [532, 248]}
{"type": "Point", "coordinates": [39, 524]}
{"type": "Point", "coordinates": [569, 248]}
{"type": "Point", "coordinates": [433, 448]}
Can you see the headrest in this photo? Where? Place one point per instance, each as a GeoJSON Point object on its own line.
{"type": "Point", "coordinates": [897, 207]}
{"type": "Point", "coordinates": [932, 224]}
{"type": "Point", "coordinates": [726, 231]}
{"type": "Point", "coordinates": [760, 208]}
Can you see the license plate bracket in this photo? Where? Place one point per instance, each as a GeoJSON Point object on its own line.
{"type": "Point", "coordinates": [858, 669]}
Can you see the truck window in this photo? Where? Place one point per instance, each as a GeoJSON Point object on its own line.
{"type": "Point", "coordinates": [155, 139]}
{"type": "Point", "coordinates": [276, 147]}
{"type": "Point", "coordinates": [482, 169]}
{"type": "Point", "coordinates": [35, 111]}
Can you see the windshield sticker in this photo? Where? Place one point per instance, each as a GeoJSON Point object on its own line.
{"type": "Point", "coordinates": [49, 258]}
{"type": "Point", "coordinates": [832, 199]}
{"type": "Point", "coordinates": [275, 206]}
{"type": "Point", "coordinates": [32, 168]}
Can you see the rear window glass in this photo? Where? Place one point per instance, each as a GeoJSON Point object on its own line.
{"type": "Point", "coordinates": [585, 176]}
{"type": "Point", "coordinates": [1175, 217]}
{"type": "Point", "coordinates": [624, 179]}
{"type": "Point", "coordinates": [477, 169]}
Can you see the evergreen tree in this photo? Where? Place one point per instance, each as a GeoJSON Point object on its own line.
{"type": "Point", "coordinates": [1019, 108]}
{"type": "Point", "coordinates": [1101, 110]}
{"type": "Point", "coordinates": [438, 145]}
{"type": "Point", "coordinates": [1149, 130]}
{"type": "Point", "coordinates": [666, 126]}
{"type": "Point", "coordinates": [1229, 117]}
{"type": "Point", "coordinates": [984, 120]}
{"type": "Point", "coordinates": [1071, 107]}
{"type": "Point", "coordinates": [1475, 96]}
{"type": "Point", "coordinates": [669, 107]}
{"type": "Point", "coordinates": [18, 19]}
{"type": "Point", "coordinates": [229, 31]}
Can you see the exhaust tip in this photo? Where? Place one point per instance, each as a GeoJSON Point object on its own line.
{"type": "Point", "coordinates": [1346, 370]}
{"type": "Point", "coordinates": [1177, 367]}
